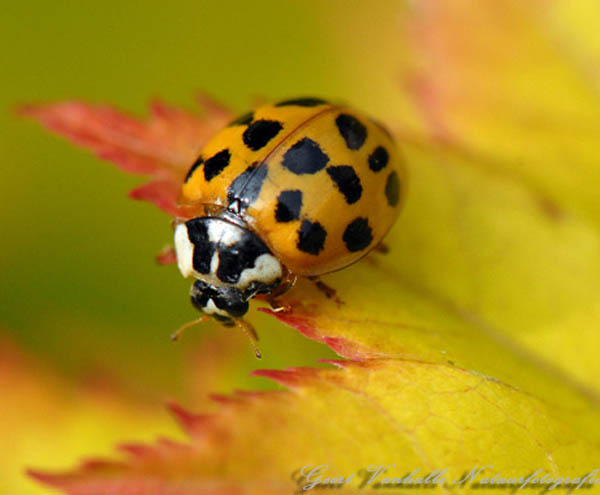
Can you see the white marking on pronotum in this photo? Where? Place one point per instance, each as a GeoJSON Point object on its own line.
{"type": "Point", "coordinates": [266, 270]}
{"type": "Point", "coordinates": [214, 264]}
{"type": "Point", "coordinates": [184, 250]}
{"type": "Point", "coordinates": [224, 233]}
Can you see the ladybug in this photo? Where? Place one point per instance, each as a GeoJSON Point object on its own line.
{"type": "Point", "coordinates": [302, 187]}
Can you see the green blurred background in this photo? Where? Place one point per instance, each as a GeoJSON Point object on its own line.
{"type": "Point", "coordinates": [79, 287]}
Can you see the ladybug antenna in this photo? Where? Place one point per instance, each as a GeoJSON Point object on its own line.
{"type": "Point", "coordinates": [175, 335]}
{"type": "Point", "coordinates": [248, 329]}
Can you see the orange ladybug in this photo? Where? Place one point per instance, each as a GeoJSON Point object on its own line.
{"type": "Point", "coordinates": [302, 187]}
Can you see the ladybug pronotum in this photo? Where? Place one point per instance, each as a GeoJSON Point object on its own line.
{"type": "Point", "coordinates": [299, 188]}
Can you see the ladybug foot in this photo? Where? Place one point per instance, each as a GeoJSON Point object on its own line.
{"type": "Point", "coordinates": [279, 306]}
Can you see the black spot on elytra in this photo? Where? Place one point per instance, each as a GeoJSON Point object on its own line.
{"type": "Point", "coordinates": [243, 119]}
{"type": "Point", "coordinates": [392, 189]}
{"type": "Point", "coordinates": [346, 180]}
{"type": "Point", "coordinates": [305, 157]}
{"type": "Point", "coordinates": [289, 204]}
{"type": "Point", "coordinates": [193, 168]}
{"type": "Point", "coordinates": [311, 237]}
{"type": "Point", "coordinates": [378, 159]}
{"type": "Point", "coordinates": [358, 234]}
{"type": "Point", "coordinates": [216, 164]}
{"type": "Point", "coordinates": [302, 102]}
{"type": "Point", "coordinates": [353, 132]}
{"type": "Point", "coordinates": [260, 132]}
{"type": "Point", "coordinates": [246, 186]}
{"type": "Point", "coordinates": [203, 248]}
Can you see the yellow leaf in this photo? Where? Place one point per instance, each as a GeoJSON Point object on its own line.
{"type": "Point", "coordinates": [478, 274]}
{"type": "Point", "coordinates": [502, 214]}
{"type": "Point", "coordinates": [411, 416]}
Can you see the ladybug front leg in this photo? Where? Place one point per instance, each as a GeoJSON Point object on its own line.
{"type": "Point", "coordinates": [250, 332]}
{"type": "Point", "coordinates": [277, 305]}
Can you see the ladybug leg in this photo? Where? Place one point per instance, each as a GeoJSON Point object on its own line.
{"type": "Point", "coordinates": [379, 249]}
{"type": "Point", "coordinates": [166, 256]}
{"type": "Point", "coordinates": [382, 248]}
{"type": "Point", "coordinates": [277, 305]}
{"type": "Point", "coordinates": [330, 292]}
{"type": "Point", "coordinates": [288, 282]}
{"type": "Point", "coordinates": [250, 332]}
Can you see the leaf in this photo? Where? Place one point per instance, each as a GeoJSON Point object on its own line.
{"type": "Point", "coordinates": [478, 274]}
{"type": "Point", "coordinates": [523, 109]}
{"type": "Point", "coordinates": [409, 325]}
{"type": "Point", "coordinates": [474, 340]}
{"type": "Point", "coordinates": [518, 88]}
{"type": "Point", "coordinates": [163, 148]}
{"type": "Point", "coordinates": [414, 414]}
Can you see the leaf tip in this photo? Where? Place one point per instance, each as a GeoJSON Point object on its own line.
{"type": "Point", "coordinates": [191, 423]}
{"type": "Point", "coordinates": [43, 477]}
{"type": "Point", "coordinates": [290, 377]}
{"type": "Point", "coordinates": [338, 363]}
{"type": "Point", "coordinates": [163, 193]}
{"type": "Point", "coordinates": [305, 325]}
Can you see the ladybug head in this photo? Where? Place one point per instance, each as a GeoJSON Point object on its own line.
{"type": "Point", "coordinates": [223, 303]}
{"type": "Point", "coordinates": [231, 265]}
